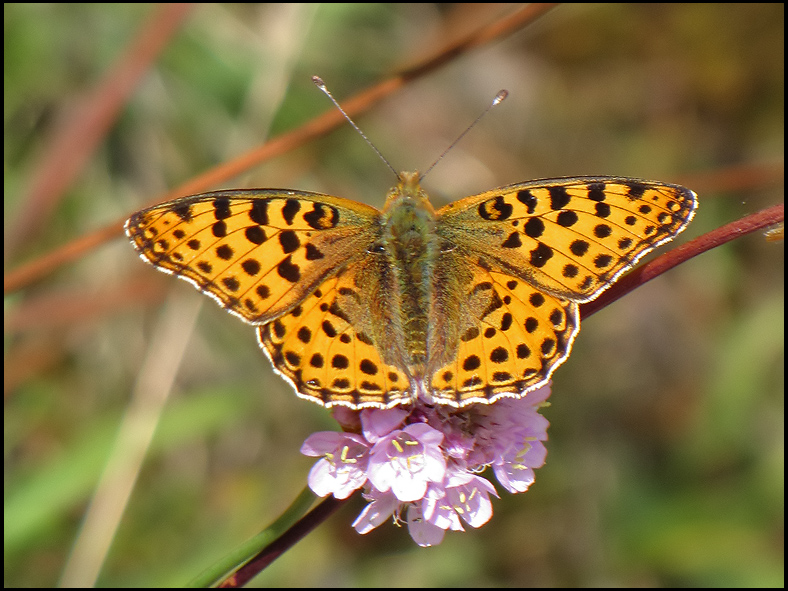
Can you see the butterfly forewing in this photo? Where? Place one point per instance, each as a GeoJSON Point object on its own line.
{"type": "Point", "coordinates": [569, 237]}
{"type": "Point", "coordinates": [259, 253]}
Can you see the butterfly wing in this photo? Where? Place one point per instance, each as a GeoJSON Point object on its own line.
{"type": "Point", "coordinates": [259, 253]}
{"type": "Point", "coordinates": [529, 254]}
{"type": "Point", "coordinates": [297, 265]}
{"type": "Point", "coordinates": [337, 347]}
{"type": "Point", "coordinates": [570, 237]}
{"type": "Point", "coordinates": [510, 338]}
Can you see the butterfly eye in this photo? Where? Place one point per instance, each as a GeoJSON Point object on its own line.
{"type": "Point", "coordinates": [376, 248]}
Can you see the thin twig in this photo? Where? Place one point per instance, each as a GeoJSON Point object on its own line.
{"type": "Point", "coordinates": [38, 268]}
{"type": "Point", "coordinates": [82, 129]}
{"type": "Point", "coordinates": [644, 273]}
{"type": "Point", "coordinates": [306, 524]}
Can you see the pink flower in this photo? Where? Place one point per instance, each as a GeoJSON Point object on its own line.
{"type": "Point", "coordinates": [423, 463]}
{"type": "Point", "coordinates": [407, 460]}
{"type": "Point", "coordinates": [464, 496]}
{"type": "Point", "coordinates": [343, 467]}
{"type": "Point", "coordinates": [382, 506]}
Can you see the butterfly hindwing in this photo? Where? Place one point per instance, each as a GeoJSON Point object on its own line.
{"type": "Point", "coordinates": [513, 337]}
{"type": "Point", "coordinates": [329, 350]}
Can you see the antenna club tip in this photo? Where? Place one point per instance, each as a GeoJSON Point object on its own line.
{"type": "Point", "coordinates": [499, 98]}
{"type": "Point", "coordinates": [318, 81]}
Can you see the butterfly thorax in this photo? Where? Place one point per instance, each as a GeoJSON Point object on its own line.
{"type": "Point", "coordinates": [410, 247]}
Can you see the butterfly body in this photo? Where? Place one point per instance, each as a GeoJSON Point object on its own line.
{"type": "Point", "coordinates": [408, 251]}
{"type": "Point", "coordinates": [366, 308]}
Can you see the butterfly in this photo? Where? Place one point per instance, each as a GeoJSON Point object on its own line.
{"type": "Point", "coordinates": [360, 307]}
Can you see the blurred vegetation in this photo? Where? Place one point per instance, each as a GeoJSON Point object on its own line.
{"type": "Point", "coordinates": [666, 455]}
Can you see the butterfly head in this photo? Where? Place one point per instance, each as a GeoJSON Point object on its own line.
{"type": "Point", "coordinates": [407, 189]}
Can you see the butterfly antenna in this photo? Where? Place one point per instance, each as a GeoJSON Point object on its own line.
{"type": "Point", "coordinates": [499, 98]}
{"type": "Point", "coordinates": [322, 86]}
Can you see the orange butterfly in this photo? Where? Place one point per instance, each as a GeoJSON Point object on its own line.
{"type": "Point", "coordinates": [367, 308]}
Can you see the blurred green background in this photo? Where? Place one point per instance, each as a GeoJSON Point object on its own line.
{"type": "Point", "coordinates": [665, 463]}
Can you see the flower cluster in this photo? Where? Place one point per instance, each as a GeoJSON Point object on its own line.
{"type": "Point", "coordinates": [421, 465]}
